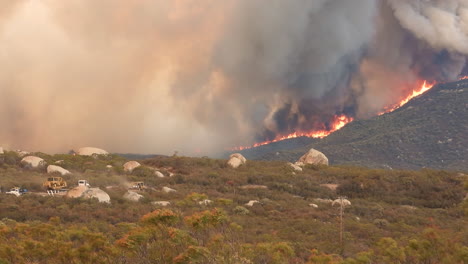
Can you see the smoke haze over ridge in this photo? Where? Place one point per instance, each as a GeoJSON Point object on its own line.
{"type": "Point", "coordinates": [158, 76]}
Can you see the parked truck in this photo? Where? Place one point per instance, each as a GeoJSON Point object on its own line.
{"type": "Point", "coordinates": [17, 191]}
{"type": "Point", "coordinates": [83, 183]}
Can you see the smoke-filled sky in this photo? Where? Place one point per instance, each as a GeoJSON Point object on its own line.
{"type": "Point", "coordinates": [198, 76]}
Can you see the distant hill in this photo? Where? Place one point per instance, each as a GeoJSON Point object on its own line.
{"type": "Point", "coordinates": [429, 131]}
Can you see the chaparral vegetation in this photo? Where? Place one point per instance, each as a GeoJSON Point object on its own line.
{"type": "Point", "coordinates": [260, 212]}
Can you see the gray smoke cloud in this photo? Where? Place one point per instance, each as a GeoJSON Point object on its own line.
{"type": "Point", "coordinates": [202, 75]}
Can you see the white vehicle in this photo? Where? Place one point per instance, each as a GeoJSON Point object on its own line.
{"type": "Point", "coordinates": [137, 186]}
{"type": "Point", "coordinates": [83, 183]}
{"type": "Point", "coordinates": [17, 191]}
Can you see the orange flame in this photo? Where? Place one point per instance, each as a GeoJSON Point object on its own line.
{"type": "Point", "coordinates": [424, 88]}
{"type": "Point", "coordinates": [341, 120]}
{"type": "Point", "coordinates": [338, 122]}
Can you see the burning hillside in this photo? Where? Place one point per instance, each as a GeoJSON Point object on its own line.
{"type": "Point", "coordinates": [428, 131]}
{"type": "Point", "coordinates": [340, 121]}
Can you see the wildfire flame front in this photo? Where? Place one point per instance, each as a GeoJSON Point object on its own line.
{"type": "Point", "coordinates": [342, 120]}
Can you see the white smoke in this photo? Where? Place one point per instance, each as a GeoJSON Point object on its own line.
{"type": "Point", "coordinates": [442, 24]}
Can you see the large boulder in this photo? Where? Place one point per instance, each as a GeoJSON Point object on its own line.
{"type": "Point", "coordinates": [88, 193]}
{"type": "Point", "coordinates": [236, 159]}
{"type": "Point", "coordinates": [55, 168]}
{"type": "Point", "coordinates": [33, 162]}
{"type": "Point", "coordinates": [341, 201]}
{"type": "Point", "coordinates": [168, 190]}
{"type": "Point", "coordinates": [97, 193]}
{"type": "Point", "coordinates": [77, 192]}
{"type": "Point", "coordinates": [132, 196]}
{"type": "Point", "coordinates": [313, 157]}
{"type": "Point", "coordinates": [158, 174]}
{"type": "Point", "coordinates": [131, 165]}
{"type": "Point", "coordinates": [90, 151]}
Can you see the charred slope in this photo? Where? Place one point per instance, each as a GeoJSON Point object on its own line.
{"type": "Point", "coordinates": [430, 131]}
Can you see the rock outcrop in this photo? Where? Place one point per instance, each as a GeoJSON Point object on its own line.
{"type": "Point", "coordinates": [205, 202]}
{"type": "Point", "coordinates": [33, 162]}
{"type": "Point", "coordinates": [132, 196]}
{"type": "Point", "coordinates": [55, 168]}
{"type": "Point", "coordinates": [77, 192]}
{"type": "Point", "coordinates": [131, 165]}
{"type": "Point", "coordinates": [89, 193]}
{"type": "Point", "coordinates": [161, 203]}
{"type": "Point", "coordinates": [295, 167]}
{"type": "Point", "coordinates": [344, 202]}
{"type": "Point", "coordinates": [158, 174]}
{"type": "Point", "coordinates": [236, 159]}
{"type": "Point", "coordinates": [97, 193]}
{"type": "Point", "coordinates": [90, 151]}
{"type": "Point", "coordinates": [313, 157]}
{"type": "Point", "coordinates": [168, 190]}
{"type": "Point", "coordinates": [251, 203]}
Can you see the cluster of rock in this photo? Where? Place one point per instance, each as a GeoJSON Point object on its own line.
{"type": "Point", "coordinates": [33, 162]}
{"type": "Point", "coordinates": [313, 156]}
{"type": "Point", "coordinates": [132, 196]}
{"type": "Point", "coordinates": [236, 160]}
{"type": "Point", "coordinates": [295, 166]}
{"type": "Point", "coordinates": [132, 165]}
{"type": "Point", "coordinates": [20, 153]}
{"type": "Point", "coordinates": [205, 202]}
{"type": "Point", "coordinates": [166, 203]}
{"type": "Point", "coordinates": [89, 193]}
{"type": "Point", "coordinates": [90, 151]}
{"type": "Point", "coordinates": [340, 201]}
{"type": "Point", "coordinates": [135, 197]}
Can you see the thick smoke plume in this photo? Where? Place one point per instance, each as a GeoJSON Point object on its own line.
{"type": "Point", "coordinates": [201, 75]}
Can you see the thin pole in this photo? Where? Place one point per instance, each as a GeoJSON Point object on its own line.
{"type": "Point", "coordinates": [341, 222]}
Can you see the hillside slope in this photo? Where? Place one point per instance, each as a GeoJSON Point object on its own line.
{"type": "Point", "coordinates": [430, 131]}
{"type": "Point", "coordinates": [262, 212]}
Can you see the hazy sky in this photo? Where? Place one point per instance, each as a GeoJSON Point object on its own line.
{"type": "Point", "coordinates": [198, 76]}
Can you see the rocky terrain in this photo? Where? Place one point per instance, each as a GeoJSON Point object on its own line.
{"type": "Point", "coordinates": [201, 210]}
